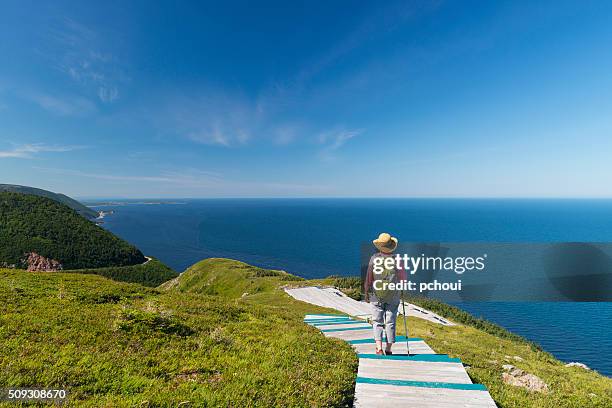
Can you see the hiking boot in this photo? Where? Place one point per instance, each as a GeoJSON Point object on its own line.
{"type": "Point", "coordinates": [379, 352]}
{"type": "Point", "coordinates": [388, 352]}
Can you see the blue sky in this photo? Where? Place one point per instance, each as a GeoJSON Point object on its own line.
{"type": "Point", "coordinates": [335, 99]}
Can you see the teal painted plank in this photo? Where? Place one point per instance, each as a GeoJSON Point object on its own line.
{"type": "Point", "coordinates": [366, 327]}
{"type": "Point", "coordinates": [398, 339]}
{"type": "Point", "coordinates": [427, 384]}
{"type": "Point", "coordinates": [331, 320]}
{"type": "Point", "coordinates": [442, 358]}
{"type": "Point", "coordinates": [342, 322]}
{"type": "Point", "coordinates": [326, 314]}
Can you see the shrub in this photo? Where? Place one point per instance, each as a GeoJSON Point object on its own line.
{"type": "Point", "coordinates": [132, 319]}
{"type": "Point", "coordinates": [152, 273]}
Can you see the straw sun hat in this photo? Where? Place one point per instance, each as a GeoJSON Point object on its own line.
{"type": "Point", "coordinates": [385, 243]}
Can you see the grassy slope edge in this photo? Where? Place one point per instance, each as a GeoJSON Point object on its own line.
{"type": "Point", "coordinates": [483, 346]}
{"type": "Point", "coordinates": [225, 334]}
{"type": "Point", "coordinates": [120, 344]}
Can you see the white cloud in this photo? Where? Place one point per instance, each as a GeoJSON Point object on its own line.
{"type": "Point", "coordinates": [193, 182]}
{"type": "Point", "coordinates": [65, 105]}
{"type": "Point", "coordinates": [334, 140]}
{"type": "Point", "coordinates": [184, 178]}
{"type": "Point", "coordinates": [82, 58]}
{"type": "Point", "coordinates": [108, 94]}
{"type": "Point", "coordinates": [337, 138]}
{"type": "Point", "coordinates": [222, 118]}
{"type": "Point", "coordinates": [27, 151]}
{"type": "Point", "coordinates": [212, 118]}
{"type": "Point", "coordinates": [211, 134]}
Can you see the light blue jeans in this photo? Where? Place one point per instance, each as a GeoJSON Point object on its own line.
{"type": "Point", "coordinates": [384, 316]}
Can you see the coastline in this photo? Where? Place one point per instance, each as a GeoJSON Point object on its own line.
{"type": "Point", "coordinates": [246, 230]}
{"type": "Point", "coordinates": [233, 288]}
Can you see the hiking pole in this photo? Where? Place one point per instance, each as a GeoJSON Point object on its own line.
{"type": "Point", "coordinates": [384, 330]}
{"type": "Point", "coordinates": [405, 325]}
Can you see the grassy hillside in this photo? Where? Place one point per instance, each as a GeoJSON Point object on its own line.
{"type": "Point", "coordinates": [30, 223]}
{"type": "Point", "coordinates": [119, 344]}
{"type": "Point", "coordinates": [229, 278]}
{"type": "Point", "coordinates": [60, 198]}
{"type": "Point", "coordinates": [483, 346]}
{"type": "Point", "coordinates": [225, 334]}
{"type": "Point", "coordinates": [484, 355]}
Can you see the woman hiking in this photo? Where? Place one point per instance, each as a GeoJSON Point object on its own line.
{"type": "Point", "coordinates": [384, 302]}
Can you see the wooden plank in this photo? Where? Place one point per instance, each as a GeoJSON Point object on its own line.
{"type": "Point", "coordinates": [397, 339]}
{"type": "Point", "coordinates": [344, 327]}
{"type": "Point", "coordinates": [318, 323]}
{"type": "Point", "coordinates": [413, 371]}
{"type": "Point", "coordinates": [351, 335]}
{"type": "Point", "coordinates": [333, 298]}
{"type": "Point", "coordinates": [422, 379]}
{"type": "Point", "coordinates": [325, 316]}
{"type": "Point", "coordinates": [358, 327]}
{"type": "Point", "coordinates": [393, 396]}
{"type": "Point", "coordinates": [416, 347]}
{"type": "Point", "coordinates": [444, 358]}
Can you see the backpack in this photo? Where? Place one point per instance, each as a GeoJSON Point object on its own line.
{"type": "Point", "coordinates": [388, 275]}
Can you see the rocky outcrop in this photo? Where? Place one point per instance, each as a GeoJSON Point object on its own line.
{"type": "Point", "coordinates": [579, 365]}
{"type": "Point", "coordinates": [519, 378]}
{"type": "Point", "coordinates": [38, 263]}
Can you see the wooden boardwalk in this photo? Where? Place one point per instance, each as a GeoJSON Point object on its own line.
{"type": "Point", "coordinates": [422, 379]}
{"type": "Point", "coordinates": [335, 299]}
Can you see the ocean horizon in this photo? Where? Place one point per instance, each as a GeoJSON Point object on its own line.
{"type": "Point", "coordinates": [316, 238]}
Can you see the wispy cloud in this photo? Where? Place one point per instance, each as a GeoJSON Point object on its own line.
{"type": "Point", "coordinates": [333, 140]}
{"type": "Point", "coordinates": [197, 183]}
{"type": "Point", "coordinates": [190, 177]}
{"type": "Point", "coordinates": [64, 105]}
{"type": "Point", "coordinates": [82, 58]}
{"type": "Point", "coordinates": [108, 94]}
{"type": "Point", "coordinates": [222, 118]}
{"type": "Point", "coordinates": [213, 118]}
{"type": "Point", "coordinates": [28, 151]}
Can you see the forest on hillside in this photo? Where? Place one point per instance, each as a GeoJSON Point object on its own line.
{"type": "Point", "coordinates": [31, 223]}
{"type": "Point", "coordinates": [60, 198]}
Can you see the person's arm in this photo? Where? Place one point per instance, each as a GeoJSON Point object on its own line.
{"type": "Point", "coordinates": [368, 280]}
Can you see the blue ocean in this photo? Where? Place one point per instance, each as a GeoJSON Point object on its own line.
{"type": "Point", "coordinates": [320, 237]}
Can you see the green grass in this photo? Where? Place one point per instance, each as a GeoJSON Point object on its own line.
{"type": "Point", "coordinates": [229, 278]}
{"type": "Point", "coordinates": [460, 316]}
{"type": "Point", "coordinates": [485, 354]}
{"type": "Point", "coordinates": [119, 344]}
{"type": "Point", "coordinates": [225, 334]}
